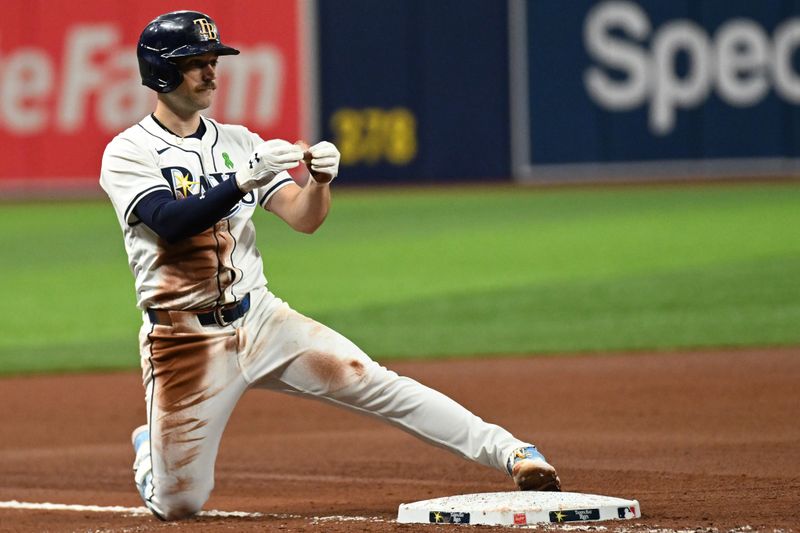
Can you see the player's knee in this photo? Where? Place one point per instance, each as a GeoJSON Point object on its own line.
{"type": "Point", "coordinates": [181, 504]}
{"type": "Point", "coordinates": [179, 508]}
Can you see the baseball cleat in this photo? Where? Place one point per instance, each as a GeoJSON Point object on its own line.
{"type": "Point", "coordinates": [139, 436]}
{"type": "Point", "coordinates": [531, 471]}
{"type": "Point", "coordinates": [142, 466]}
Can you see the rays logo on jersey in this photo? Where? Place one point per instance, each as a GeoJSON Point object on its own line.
{"type": "Point", "coordinates": [184, 184]}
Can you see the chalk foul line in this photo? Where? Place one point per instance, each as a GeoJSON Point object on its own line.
{"type": "Point", "coordinates": [135, 511]}
{"type": "Point", "coordinates": [144, 511]}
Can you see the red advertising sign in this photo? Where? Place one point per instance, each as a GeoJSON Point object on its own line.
{"type": "Point", "coordinates": [69, 78]}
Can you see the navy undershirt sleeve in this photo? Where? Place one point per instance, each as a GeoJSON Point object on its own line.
{"type": "Point", "coordinates": [174, 220]}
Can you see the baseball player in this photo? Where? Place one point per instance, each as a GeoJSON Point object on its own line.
{"type": "Point", "coordinates": [184, 188]}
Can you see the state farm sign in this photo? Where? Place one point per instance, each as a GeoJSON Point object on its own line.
{"type": "Point", "coordinates": [70, 82]}
{"type": "Point", "coordinates": [100, 79]}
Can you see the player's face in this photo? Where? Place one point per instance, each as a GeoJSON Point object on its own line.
{"type": "Point", "coordinates": [199, 83]}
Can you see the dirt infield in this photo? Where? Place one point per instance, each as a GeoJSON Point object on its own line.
{"type": "Point", "coordinates": [703, 440]}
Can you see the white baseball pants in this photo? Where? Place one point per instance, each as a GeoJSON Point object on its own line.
{"type": "Point", "coordinates": [194, 375]}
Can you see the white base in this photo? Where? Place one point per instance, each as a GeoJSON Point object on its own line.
{"type": "Point", "coordinates": [518, 508]}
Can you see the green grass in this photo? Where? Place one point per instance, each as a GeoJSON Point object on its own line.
{"type": "Point", "coordinates": [447, 272]}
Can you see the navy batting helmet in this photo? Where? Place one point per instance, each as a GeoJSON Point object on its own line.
{"type": "Point", "coordinates": [172, 36]}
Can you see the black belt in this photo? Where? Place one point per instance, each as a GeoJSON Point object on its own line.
{"type": "Point", "coordinates": [220, 316]}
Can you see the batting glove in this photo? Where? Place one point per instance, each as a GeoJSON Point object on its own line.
{"type": "Point", "coordinates": [322, 160]}
{"type": "Point", "coordinates": [267, 161]}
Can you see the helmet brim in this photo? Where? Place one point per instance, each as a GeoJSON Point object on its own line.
{"type": "Point", "coordinates": [200, 49]}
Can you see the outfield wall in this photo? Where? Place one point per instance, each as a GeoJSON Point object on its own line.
{"type": "Point", "coordinates": [420, 90]}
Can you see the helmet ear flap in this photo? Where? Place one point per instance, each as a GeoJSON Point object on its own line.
{"type": "Point", "coordinates": [159, 74]}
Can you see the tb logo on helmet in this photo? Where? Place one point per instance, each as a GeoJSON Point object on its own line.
{"type": "Point", "coordinates": [207, 29]}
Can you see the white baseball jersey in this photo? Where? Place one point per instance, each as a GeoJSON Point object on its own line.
{"type": "Point", "coordinates": [215, 267]}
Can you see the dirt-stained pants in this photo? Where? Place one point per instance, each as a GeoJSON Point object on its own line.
{"type": "Point", "coordinates": [194, 375]}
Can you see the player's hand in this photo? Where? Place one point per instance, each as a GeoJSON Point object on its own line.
{"type": "Point", "coordinates": [322, 161]}
{"type": "Point", "coordinates": [267, 160]}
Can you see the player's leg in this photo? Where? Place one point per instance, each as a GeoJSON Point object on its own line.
{"type": "Point", "coordinates": [192, 383]}
{"type": "Point", "coordinates": [305, 356]}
